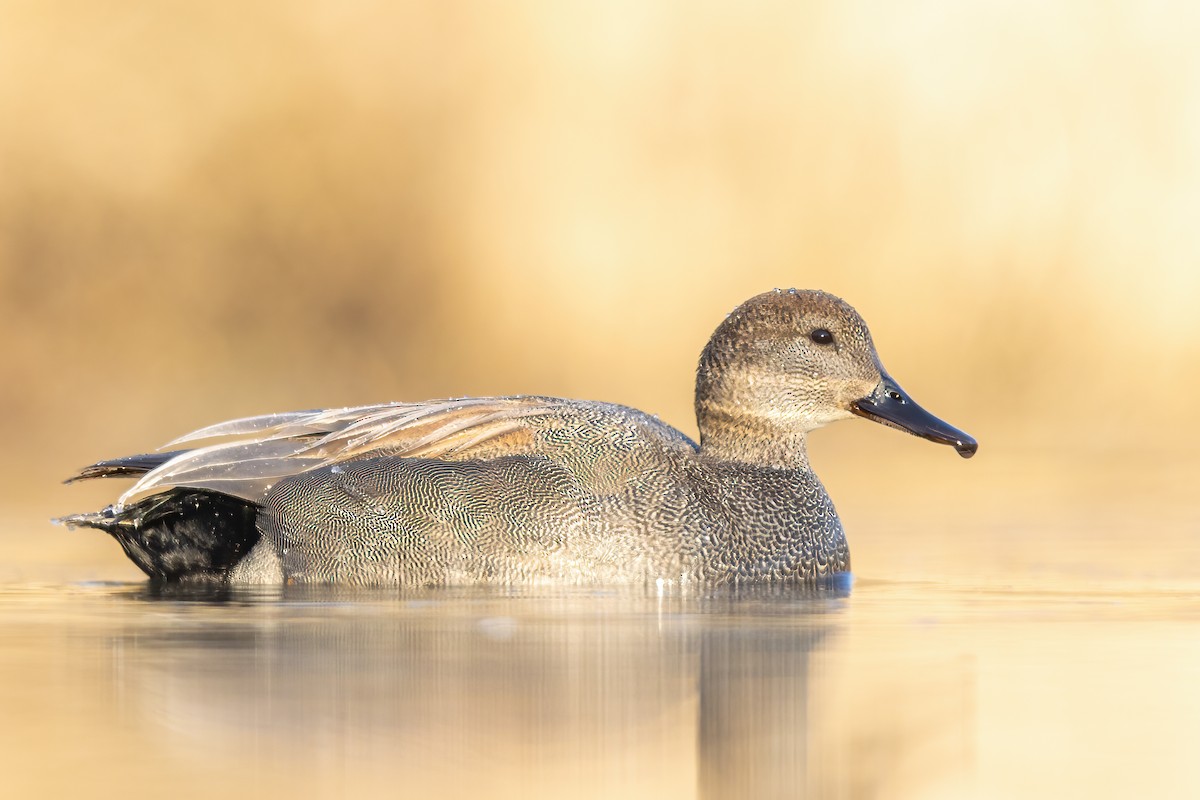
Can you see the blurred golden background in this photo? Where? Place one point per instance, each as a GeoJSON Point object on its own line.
{"type": "Point", "coordinates": [210, 211]}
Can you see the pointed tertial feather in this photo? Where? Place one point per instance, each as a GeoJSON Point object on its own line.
{"type": "Point", "coordinates": [428, 431]}
{"type": "Point", "coordinates": [242, 469]}
{"type": "Point", "coordinates": [380, 421]}
{"type": "Point", "coordinates": [293, 422]}
{"type": "Point", "coordinates": [275, 446]}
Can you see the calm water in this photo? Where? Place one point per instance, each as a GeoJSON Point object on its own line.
{"type": "Point", "coordinates": [885, 690]}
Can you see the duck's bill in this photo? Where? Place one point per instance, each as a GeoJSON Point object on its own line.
{"type": "Point", "coordinates": [890, 405]}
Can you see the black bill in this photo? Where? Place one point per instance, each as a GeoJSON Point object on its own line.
{"type": "Point", "coordinates": [890, 405]}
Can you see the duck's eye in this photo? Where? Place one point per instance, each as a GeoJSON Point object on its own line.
{"type": "Point", "coordinates": [821, 336]}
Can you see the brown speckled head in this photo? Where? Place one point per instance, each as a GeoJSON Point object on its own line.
{"type": "Point", "coordinates": [786, 362]}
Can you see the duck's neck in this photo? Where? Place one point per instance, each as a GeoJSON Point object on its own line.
{"type": "Point", "coordinates": [758, 441]}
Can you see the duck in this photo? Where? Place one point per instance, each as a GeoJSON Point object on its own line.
{"type": "Point", "coordinates": [523, 490]}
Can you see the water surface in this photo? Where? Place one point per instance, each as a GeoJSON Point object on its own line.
{"type": "Point", "coordinates": [889, 689]}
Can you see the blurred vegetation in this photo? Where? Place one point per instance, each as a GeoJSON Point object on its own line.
{"type": "Point", "coordinates": [209, 211]}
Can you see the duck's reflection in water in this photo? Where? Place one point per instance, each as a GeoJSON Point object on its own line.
{"type": "Point", "coordinates": [753, 719]}
{"type": "Point", "coordinates": [566, 695]}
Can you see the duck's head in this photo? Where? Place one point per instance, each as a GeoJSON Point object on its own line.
{"type": "Point", "coordinates": [786, 362]}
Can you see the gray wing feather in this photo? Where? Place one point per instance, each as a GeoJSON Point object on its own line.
{"type": "Point", "coordinates": [242, 469]}
{"type": "Point", "coordinates": [274, 426]}
{"type": "Point", "coordinates": [267, 448]}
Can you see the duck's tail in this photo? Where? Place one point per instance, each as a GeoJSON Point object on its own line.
{"type": "Point", "coordinates": [179, 534]}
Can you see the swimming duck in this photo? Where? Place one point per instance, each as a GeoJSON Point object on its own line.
{"type": "Point", "coordinates": [511, 490]}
